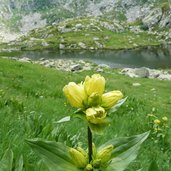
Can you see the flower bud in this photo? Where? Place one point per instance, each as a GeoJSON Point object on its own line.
{"type": "Point", "coordinates": [111, 98]}
{"type": "Point", "coordinates": [94, 99]}
{"type": "Point", "coordinates": [94, 84]}
{"type": "Point", "coordinates": [95, 115]}
{"type": "Point", "coordinates": [89, 167]}
{"type": "Point", "coordinates": [97, 163]}
{"type": "Point", "coordinates": [78, 158]}
{"type": "Point", "coordinates": [157, 121]}
{"type": "Point", "coordinates": [165, 119]}
{"type": "Point", "coordinates": [105, 154]}
{"type": "Point", "coordinates": [83, 152]}
{"type": "Point", "coordinates": [75, 94]}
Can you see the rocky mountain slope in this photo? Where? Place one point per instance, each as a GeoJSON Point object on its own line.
{"type": "Point", "coordinates": [88, 18]}
{"type": "Point", "coordinates": [84, 33]}
{"type": "Point", "coordinates": [19, 14]}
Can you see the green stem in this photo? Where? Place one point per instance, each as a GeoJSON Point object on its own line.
{"type": "Point", "coordinates": [90, 150]}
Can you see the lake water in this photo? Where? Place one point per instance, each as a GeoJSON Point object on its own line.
{"type": "Point", "coordinates": [150, 57]}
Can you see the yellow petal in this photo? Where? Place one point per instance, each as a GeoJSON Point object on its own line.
{"type": "Point", "coordinates": [94, 84]}
{"type": "Point", "coordinates": [111, 98]}
{"type": "Point", "coordinates": [75, 94]}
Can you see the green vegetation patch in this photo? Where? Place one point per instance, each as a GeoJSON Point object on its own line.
{"type": "Point", "coordinates": [31, 101]}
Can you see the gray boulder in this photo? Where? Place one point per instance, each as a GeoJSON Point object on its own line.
{"type": "Point", "coordinates": [82, 45]}
{"type": "Point", "coordinates": [61, 46]}
{"type": "Point", "coordinates": [142, 72]}
{"type": "Point", "coordinates": [79, 26]}
{"type": "Point", "coordinates": [76, 67]}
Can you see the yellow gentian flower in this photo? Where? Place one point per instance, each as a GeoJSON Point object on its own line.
{"type": "Point", "coordinates": [75, 94]}
{"type": "Point", "coordinates": [94, 84]}
{"type": "Point", "coordinates": [111, 98]}
{"type": "Point", "coordinates": [95, 115]}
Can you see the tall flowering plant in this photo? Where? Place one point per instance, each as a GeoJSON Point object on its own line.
{"type": "Point", "coordinates": [92, 103]}
{"type": "Point", "coordinates": [94, 106]}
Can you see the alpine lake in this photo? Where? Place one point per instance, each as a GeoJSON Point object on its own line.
{"type": "Point", "coordinates": [150, 57]}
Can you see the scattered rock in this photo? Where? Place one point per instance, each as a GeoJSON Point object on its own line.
{"type": "Point", "coordinates": [129, 71]}
{"type": "Point", "coordinates": [99, 70]}
{"type": "Point", "coordinates": [91, 48]}
{"type": "Point", "coordinates": [63, 29]}
{"type": "Point", "coordinates": [45, 44]}
{"type": "Point", "coordinates": [96, 38]}
{"type": "Point", "coordinates": [165, 77]}
{"type": "Point", "coordinates": [76, 67]}
{"type": "Point", "coordinates": [24, 59]}
{"type": "Point", "coordinates": [79, 26]}
{"type": "Point", "coordinates": [146, 73]}
{"type": "Point", "coordinates": [61, 46]}
{"type": "Point", "coordinates": [41, 59]}
{"type": "Point", "coordinates": [82, 45]}
{"type": "Point", "coordinates": [99, 45]}
{"type": "Point", "coordinates": [87, 68]}
{"type": "Point", "coordinates": [106, 37]}
{"type": "Point", "coordinates": [103, 66]}
{"type": "Point", "coordinates": [142, 72]}
{"type": "Point", "coordinates": [87, 34]}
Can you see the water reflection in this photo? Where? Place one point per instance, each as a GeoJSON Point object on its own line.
{"type": "Point", "coordinates": [149, 57]}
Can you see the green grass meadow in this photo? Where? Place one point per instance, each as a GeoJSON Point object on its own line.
{"type": "Point", "coordinates": [31, 101]}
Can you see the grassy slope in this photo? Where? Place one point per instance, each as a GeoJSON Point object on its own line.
{"type": "Point", "coordinates": [109, 39]}
{"type": "Point", "coordinates": [31, 99]}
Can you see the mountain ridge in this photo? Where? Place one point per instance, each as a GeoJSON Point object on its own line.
{"type": "Point", "coordinates": [144, 18]}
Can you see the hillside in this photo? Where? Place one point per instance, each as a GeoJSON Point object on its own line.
{"type": "Point", "coordinates": [84, 24]}
{"type": "Point", "coordinates": [32, 101]}
{"type": "Point", "coordinates": [18, 15]}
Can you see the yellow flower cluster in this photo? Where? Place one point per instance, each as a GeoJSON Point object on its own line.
{"type": "Point", "coordinates": [90, 97]}
{"type": "Point", "coordinates": [100, 158]}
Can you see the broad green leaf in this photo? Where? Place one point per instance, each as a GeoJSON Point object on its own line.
{"type": "Point", "coordinates": [153, 166]}
{"type": "Point", "coordinates": [125, 151]}
{"type": "Point", "coordinates": [19, 164]}
{"type": "Point", "coordinates": [7, 161]}
{"type": "Point", "coordinates": [54, 154]}
{"type": "Point", "coordinates": [28, 166]}
{"type": "Point", "coordinates": [115, 107]}
{"type": "Point", "coordinates": [65, 119]}
{"type": "Point", "coordinates": [40, 166]}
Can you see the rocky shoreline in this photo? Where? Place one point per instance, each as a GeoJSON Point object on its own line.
{"type": "Point", "coordinates": [65, 64]}
{"type": "Point", "coordinates": [69, 65]}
